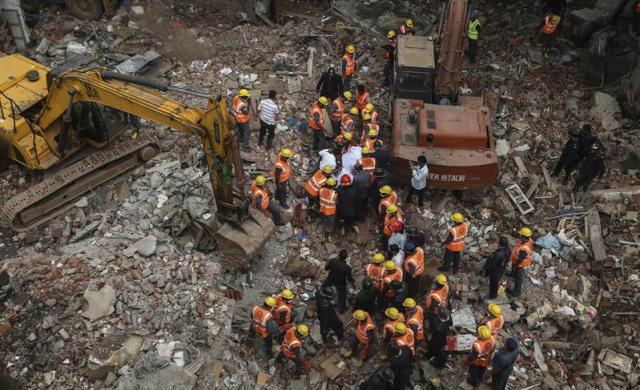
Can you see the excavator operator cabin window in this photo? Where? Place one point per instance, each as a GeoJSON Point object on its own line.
{"type": "Point", "coordinates": [413, 81]}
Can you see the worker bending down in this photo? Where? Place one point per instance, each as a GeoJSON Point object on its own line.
{"type": "Point", "coordinates": [291, 348]}
{"type": "Point", "coordinates": [263, 325]}
{"type": "Point", "coordinates": [364, 337]}
{"type": "Point", "coordinates": [260, 200]}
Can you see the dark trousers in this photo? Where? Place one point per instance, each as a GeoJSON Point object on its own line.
{"type": "Point", "coordinates": [328, 223]}
{"type": "Point", "coordinates": [270, 131]}
{"type": "Point", "coordinates": [475, 374]}
{"type": "Point", "coordinates": [244, 134]}
{"type": "Point", "coordinates": [363, 349]}
{"type": "Point", "coordinates": [583, 183]}
{"type": "Point", "coordinates": [413, 283]}
{"type": "Point", "coordinates": [335, 126]}
{"type": "Point", "coordinates": [274, 210]}
{"type": "Point", "coordinates": [331, 324]}
{"type": "Point", "coordinates": [451, 257]}
{"type": "Point", "coordinates": [346, 82]}
{"type": "Point", "coordinates": [473, 50]}
{"type": "Point", "coordinates": [267, 341]}
{"type": "Point", "coordinates": [568, 169]}
{"type": "Point", "coordinates": [402, 379]}
{"type": "Point", "coordinates": [494, 283]}
{"type": "Point", "coordinates": [499, 381]}
{"type": "Point", "coordinates": [319, 140]}
{"type": "Point", "coordinates": [436, 355]}
{"type": "Point", "coordinates": [518, 274]}
{"type": "Point", "coordinates": [636, 23]}
{"type": "Point", "coordinates": [281, 194]}
{"type": "Point", "coordinates": [342, 294]}
{"type": "Point", "coordinates": [420, 195]}
{"type": "Point", "coordinates": [547, 41]}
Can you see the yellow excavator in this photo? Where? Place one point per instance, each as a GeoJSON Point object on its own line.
{"type": "Point", "coordinates": [72, 120]}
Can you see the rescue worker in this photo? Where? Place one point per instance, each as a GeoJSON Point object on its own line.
{"type": "Point", "coordinates": [391, 273]}
{"type": "Point", "coordinates": [349, 67]}
{"type": "Point", "coordinates": [439, 295]}
{"type": "Point", "coordinates": [389, 56]}
{"type": "Point", "coordinates": [343, 142]}
{"type": "Point", "coordinates": [281, 174]}
{"type": "Point", "coordinates": [339, 275]}
{"type": "Point", "coordinates": [404, 337]}
{"type": "Point", "coordinates": [291, 348]}
{"type": "Point", "coordinates": [496, 265]}
{"type": "Point", "coordinates": [263, 325]}
{"type": "Point", "coordinates": [381, 379]}
{"type": "Point", "coordinates": [473, 29]}
{"type": "Point", "coordinates": [366, 297]}
{"type": "Point", "coordinates": [362, 97]}
{"type": "Point", "coordinates": [329, 84]}
{"type": "Point", "coordinates": [327, 316]}
{"type": "Point", "coordinates": [414, 316]}
{"type": "Point", "coordinates": [418, 185]}
{"type": "Point", "coordinates": [401, 292]}
{"type": "Point", "coordinates": [393, 214]}
{"type": "Point", "coordinates": [364, 337]}
{"type": "Point", "coordinates": [413, 267]}
{"type": "Point", "coordinates": [388, 197]}
{"type": "Point", "coordinates": [586, 139]}
{"type": "Point", "coordinates": [407, 28]}
{"type": "Point", "coordinates": [283, 311]}
{"type": "Point", "coordinates": [393, 316]}
{"type": "Point", "coordinates": [374, 116]}
{"type": "Point", "coordinates": [316, 182]}
{"type": "Point", "coordinates": [375, 271]}
{"type": "Point", "coordinates": [362, 184]}
{"type": "Point", "coordinates": [347, 122]}
{"type": "Point", "coordinates": [402, 365]}
{"type": "Point", "coordinates": [316, 122]}
{"type": "Point", "coordinates": [495, 322]}
{"type": "Point", "coordinates": [454, 243]}
{"type": "Point", "coordinates": [502, 364]}
{"type": "Point", "coordinates": [370, 136]}
{"type": "Point", "coordinates": [439, 324]}
{"type": "Point", "coordinates": [521, 259]}
{"type": "Point", "coordinates": [480, 356]}
{"type": "Point", "coordinates": [260, 200]}
{"type": "Point", "coordinates": [590, 167]}
{"type": "Point", "coordinates": [328, 206]}
{"type": "Point", "coordinates": [347, 204]}
{"type": "Point", "coordinates": [337, 109]}
{"type": "Point", "coordinates": [569, 158]}
{"type": "Point", "coordinates": [368, 162]}
{"type": "Point", "coordinates": [242, 115]}
{"type": "Point", "coordinates": [549, 28]}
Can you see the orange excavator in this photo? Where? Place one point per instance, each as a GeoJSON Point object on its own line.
{"type": "Point", "coordinates": [430, 118]}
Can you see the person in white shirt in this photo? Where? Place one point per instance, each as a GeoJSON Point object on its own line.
{"type": "Point", "coordinates": [268, 109]}
{"type": "Point", "coordinates": [327, 158]}
{"type": "Point", "coordinates": [419, 174]}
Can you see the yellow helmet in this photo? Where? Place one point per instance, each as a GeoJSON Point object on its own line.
{"type": "Point", "coordinates": [441, 279]}
{"type": "Point", "coordinates": [555, 19]}
{"type": "Point", "coordinates": [389, 265]}
{"type": "Point", "coordinates": [366, 150]}
{"type": "Point", "coordinates": [260, 180]}
{"type": "Point", "coordinates": [409, 22]}
{"type": "Point", "coordinates": [391, 34]}
{"type": "Point", "coordinates": [378, 258]}
{"type": "Point", "coordinates": [302, 330]}
{"type": "Point", "coordinates": [270, 301]}
{"type": "Point", "coordinates": [348, 135]}
{"type": "Point", "coordinates": [525, 231]}
{"type": "Point", "coordinates": [287, 294]}
{"type": "Point", "coordinates": [409, 303]}
{"type": "Point", "coordinates": [243, 93]}
{"type": "Point", "coordinates": [360, 315]}
{"type": "Point", "coordinates": [495, 310]}
{"type": "Point", "coordinates": [392, 313]}
{"type": "Point", "coordinates": [457, 217]}
{"type": "Point", "coordinates": [351, 49]}
{"type": "Point", "coordinates": [323, 100]}
{"type": "Point", "coordinates": [484, 333]}
{"type": "Point", "coordinates": [331, 182]}
{"type": "Point", "coordinates": [366, 116]}
{"type": "Point", "coordinates": [353, 111]}
{"type": "Point", "coordinates": [373, 133]}
{"type": "Point", "coordinates": [286, 153]}
{"type": "Point", "coordinates": [386, 190]}
{"type": "Point", "coordinates": [400, 328]}
{"type": "Point", "coordinates": [347, 95]}
{"type": "Point", "coordinates": [327, 169]}
{"type": "Point", "coordinates": [369, 107]}
{"type": "Point", "coordinates": [392, 208]}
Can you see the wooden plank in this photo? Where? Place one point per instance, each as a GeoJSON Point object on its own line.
{"type": "Point", "coordinates": [595, 236]}
{"type": "Point", "coordinates": [547, 179]}
{"type": "Point", "coordinates": [533, 187]}
{"type": "Point", "coordinates": [521, 167]}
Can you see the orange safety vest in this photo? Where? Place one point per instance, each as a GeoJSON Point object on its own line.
{"type": "Point", "coordinates": [367, 127]}
{"type": "Point", "coordinates": [483, 350]}
{"type": "Point", "coordinates": [388, 278]}
{"type": "Point", "coordinates": [404, 30]}
{"type": "Point", "coordinates": [376, 273]}
{"type": "Point", "coordinates": [346, 123]}
{"type": "Point", "coordinates": [283, 165]}
{"type": "Point", "coordinates": [389, 325]}
{"type": "Point", "coordinates": [239, 107]}
{"type": "Point", "coordinates": [439, 295]}
{"type": "Point", "coordinates": [350, 67]}
{"type": "Point", "coordinates": [417, 319]}
{"type": "Point", "coordinates": [495, 324]}
{"type": "Point", "coordinates": [259, 191]}
{"type": "Point", "coordinates": [368, 164]}
{"type": "Point", "coordinates": [374, 117]}
{"type": "Point", "coordinates": [339, 103]}
{"type": "Point", "coordinates": [407, 340]}
{"type": "Point", "coordinates": [388, 220]}
{"type": "Point", "coordinates": [370, 143]}
{"type": "Point", "coordinates": [362, 100]}
{"type": "Point", "coordinates": [290, 342]}
{"type": "Point", "coordinates": [362, 327]}
{"type": "Point", "coordinates": [316, 109]}
{"type": "Point", "coordinates": [387, 201]}
{"type": "Point", "coordinates": [260, 317]}
{"type": "Point", "coordinates": [316, 182]}
{"type": "Point", "coordinates": [549, 27]}
{"type": "Point", "coordinates": [417, 260]}
{"type": "Point", "coordinates": [328, 198]}
{"type": "Point", "coordinates": [459, 232]}
{"type": "Point", "coordinates": [520, 246]}
{"type": "Point", "coordinates": [283, 306]}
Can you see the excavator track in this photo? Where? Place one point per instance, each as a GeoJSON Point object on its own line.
{"type": "Point", "coordinates": [56, 194]}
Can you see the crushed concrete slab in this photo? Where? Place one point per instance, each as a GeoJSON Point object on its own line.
{"type": "Point", "coordinates": [100, 302]}
{"type": "Point", "coordinates": [145, 247]}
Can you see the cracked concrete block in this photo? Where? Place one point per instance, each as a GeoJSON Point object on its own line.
{"type": "Point", "coordinates": [100, 302]}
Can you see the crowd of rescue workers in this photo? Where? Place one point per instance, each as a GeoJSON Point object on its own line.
{"type": "Point", "coordinates": [399, 311]}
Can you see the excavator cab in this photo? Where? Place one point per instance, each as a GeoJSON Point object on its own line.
{"type": "Point", "coordinates": [415, 68]}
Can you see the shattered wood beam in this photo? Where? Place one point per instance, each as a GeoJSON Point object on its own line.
{"type": "Point", "coordinates": [534, 187]}
{"type": "Point", "coordinates": [312, 51]}
{"type": "Point", "coordinates": [547, 179]}
{"type": "Point", "coordinates": [595, 235]}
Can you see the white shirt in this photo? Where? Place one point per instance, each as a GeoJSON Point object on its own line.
{"type": "Point", "coordinates": [419, 177]}
{"type": "Point", "coordinates": [327, 158]}
{"type": "Point", "coordinates": [351, 157]}
{"type": "Point", "coordinates": [268, 110]}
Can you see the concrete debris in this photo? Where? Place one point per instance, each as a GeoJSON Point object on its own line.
{"type": "Point", "coordinates": [145, 247]}
{"type": "Point", "coordinates": [100, 302]}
